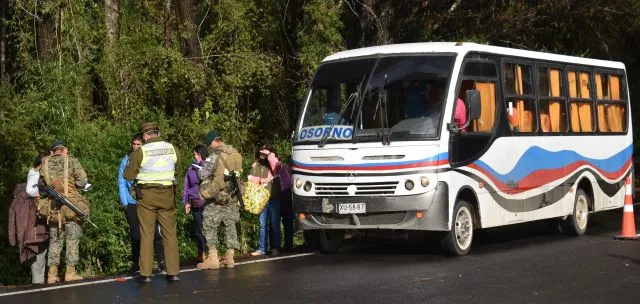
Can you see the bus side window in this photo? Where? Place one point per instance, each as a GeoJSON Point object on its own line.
{"type": "Point", "coordinates": [611, 103]}
{"type": "Point", "coordinates": [519, 92]}
{"type": "Point", "coordinates": [553, 110]}
{"type": "Point", "coordinates": [580, 101]}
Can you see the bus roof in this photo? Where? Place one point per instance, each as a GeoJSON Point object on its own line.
{"type": "Point", "coordinates": [465, 47]}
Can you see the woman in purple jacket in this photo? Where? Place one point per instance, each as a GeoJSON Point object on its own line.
{"type": "Point", "coordinates": [191, 198]}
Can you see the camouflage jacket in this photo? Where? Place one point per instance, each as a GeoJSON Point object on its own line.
{"type": "Point", "coordinates": [52, 173]}
{"type": "Point", "coordinates": [214, 167]}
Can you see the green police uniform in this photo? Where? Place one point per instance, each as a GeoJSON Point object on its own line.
{"type": "Point", "coordinates": [153, 167]}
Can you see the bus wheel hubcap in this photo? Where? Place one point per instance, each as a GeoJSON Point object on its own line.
{"type": "Point", "coordinates": [464, 228]}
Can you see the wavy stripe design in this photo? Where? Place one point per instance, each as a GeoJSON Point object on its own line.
{"type": "Point", "coordinates": [433, 161]}
{"type": "Point", "coordinates": [539, 167]}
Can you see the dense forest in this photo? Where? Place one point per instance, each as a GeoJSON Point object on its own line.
{"type": "Point", "coordinates": [90, 71]}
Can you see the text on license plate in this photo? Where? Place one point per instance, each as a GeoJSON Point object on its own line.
{"type": "Point", "coordinates": [352, 208]}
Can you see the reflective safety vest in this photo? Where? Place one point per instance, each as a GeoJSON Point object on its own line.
{"type": "Point", "coordinates": [158, 164]}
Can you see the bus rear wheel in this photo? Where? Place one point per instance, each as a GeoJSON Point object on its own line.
{"type": "Point", "coordinates": [458, 240]}
{"type": "Point", "coordinates": [577, 222]}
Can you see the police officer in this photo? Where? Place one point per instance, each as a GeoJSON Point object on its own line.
{"type": "Point", "coordinates": [64, 173]}
{"type": "Point", "coordinates": [153, 168]}
{"type": "Point", "coordinates": [223, 209]}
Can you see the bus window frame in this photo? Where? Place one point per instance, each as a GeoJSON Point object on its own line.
{"type": "Point", "coordinates": [485, 58]}
{"type": "Point", "coordinates": [564, 93]}
{"type": "Point", "coordinates": [592, 98]}
{"type": "Point", "coordinates": [625, 99]}
{"type": "Point", "coordinates": [531, 98]}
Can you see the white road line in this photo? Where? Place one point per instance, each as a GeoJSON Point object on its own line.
{"type": "Point", "coordinates": [130, 277]}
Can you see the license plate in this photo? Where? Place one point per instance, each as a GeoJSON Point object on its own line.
{"type": "Point", "coordinates": [352, 208]}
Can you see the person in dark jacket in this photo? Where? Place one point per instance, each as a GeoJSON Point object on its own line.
{"type": "Point", "coordinates": [191, 198]}
{"type": "Point", "coordinates": [25, 228]}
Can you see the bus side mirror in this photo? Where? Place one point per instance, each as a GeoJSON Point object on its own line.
{"type": "Point", "coordinates": [474, 104]}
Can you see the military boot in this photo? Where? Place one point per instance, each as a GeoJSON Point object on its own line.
{"type": "Point", "coordinates": [211, 262]}
{"type": "Point", "coordinates": [53, 278]}
{"type": "Point", "coordinates": [228, 259]}
{"type": "Point", "coordinates": [71, 275]}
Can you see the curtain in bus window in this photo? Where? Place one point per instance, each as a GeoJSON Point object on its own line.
{"type": "Point", "coordinates": [603, 126]}
{"type": "Point", "coordinates": [488, 103]}
{"type": "Point", "coordinates": [554, 106]}
{"type": "Point", "coordinates": [615, 112]}
{"type": "Point", "coordinates": [573, 93]}
{"type": "Point", "coordinates": [586, 123]}
{"type": "Point", "coordinates": [524, 116]}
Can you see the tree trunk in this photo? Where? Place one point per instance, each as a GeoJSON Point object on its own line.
{"type": "Point", "coordinates": [46, 37]}
{"type": "Point", "coordinates": [167, 24]}
{"type": "Point", "coordinates": [186, 16]}
{"type": "Point", "coordinates": [111, 20]}
{"type": "Point", "coordinates": [4, 15]}
{"type": "Point", "coordinates": [186, 13]}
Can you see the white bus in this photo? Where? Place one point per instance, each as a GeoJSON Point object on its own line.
{"type": "Point", "coordinates": [455, 137]}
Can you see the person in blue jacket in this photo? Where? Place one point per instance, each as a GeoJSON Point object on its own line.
{"type": "Point", "coordinates": [129, 204]}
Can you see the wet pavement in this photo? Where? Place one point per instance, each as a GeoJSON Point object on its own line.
{"type": "Point", "coordinates": [524, 263]}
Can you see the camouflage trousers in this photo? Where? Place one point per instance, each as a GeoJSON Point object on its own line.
{"type": "Point", "coordinates": [70, 234]}
{"type": "Point", "coordinates": [216, 215]}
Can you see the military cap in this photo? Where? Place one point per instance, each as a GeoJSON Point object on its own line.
{"type": "Point", "coordinates": [149, 126]}
{"type": "Point", "coordinates": [211, 136]}
{"type": "Point", "coordinates": [57, 143]}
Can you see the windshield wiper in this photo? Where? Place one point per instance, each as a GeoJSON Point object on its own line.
{"type": "Point", "coordinates": [384, 114]}
{"type": "Point", "coordinates": [354, 96]}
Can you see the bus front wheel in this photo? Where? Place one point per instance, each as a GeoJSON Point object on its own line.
{"type": "Point", "coordinates": [327, 241]}
{"type": "Point", "coordinates": [458, 240]}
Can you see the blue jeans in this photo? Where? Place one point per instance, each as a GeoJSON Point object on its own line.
{"type": "Point", "coordinates": [271, 212]}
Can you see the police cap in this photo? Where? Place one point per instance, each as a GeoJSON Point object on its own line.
{"type": "Point", "coordinates": [148, 127]}
{"type": "Point", "coordinates": [56, 144]}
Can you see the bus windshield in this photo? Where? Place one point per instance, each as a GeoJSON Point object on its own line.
{"type": "Point", "coordinates": [354, 99]}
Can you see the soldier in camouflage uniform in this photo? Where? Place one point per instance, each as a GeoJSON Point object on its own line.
{"type": "Point", "coordinates": [223, 210]}
{"type": "Point", "coordinates": [64, 173]}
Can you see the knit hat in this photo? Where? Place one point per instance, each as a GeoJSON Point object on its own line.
{"type": "Point", "coordinates": [211, 136]}
{"type": "Point", "coordinates": [55, 144]}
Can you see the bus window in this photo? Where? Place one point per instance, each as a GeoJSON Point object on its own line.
{"type": "Point", "coordinates": [519, 97]}
{"type": "Point", "coordinates": [581, 105]}
{"type": "Point", "coordinates": [611, 104]}
{"type": "Point", "coordinates": [553, 109]}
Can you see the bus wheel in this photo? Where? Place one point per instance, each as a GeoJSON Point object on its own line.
{"type": "Point", "coordinates": [330, 240]}
{"type": "Point", "coordinates": [458, 240]}
{"type": "Point", "coordinates": [577, 222]}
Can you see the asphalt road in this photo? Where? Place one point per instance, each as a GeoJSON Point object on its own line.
{"type": "Point", "coordinates": [519, 264]}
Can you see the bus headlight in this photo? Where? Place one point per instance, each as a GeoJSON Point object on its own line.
{"type": "Point", "coordinates": [424, 181]}
{"type": "Point", "coordinates": [408, 185]}
{"type": "Point", "coordinates": [298, 183]}
{"type": "Point", "coordinates": [307, 186]}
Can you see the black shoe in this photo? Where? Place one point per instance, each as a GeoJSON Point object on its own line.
{"type": "Point", "coordinates": [143, 279]}
{"type": "Point", "coordinates": [160, 269]}
{"type": "Point", "coordinates": [172, 278]}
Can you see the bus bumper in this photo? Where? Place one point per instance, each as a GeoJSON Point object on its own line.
{"type": "Point", "coordinates": [382, 212]}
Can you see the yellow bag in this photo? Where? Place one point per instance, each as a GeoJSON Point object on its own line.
{"type": "Point", "coordinates": [255, 198]}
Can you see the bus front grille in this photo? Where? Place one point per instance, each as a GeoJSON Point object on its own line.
{"type": "Point", "coordinates": [362, 189]}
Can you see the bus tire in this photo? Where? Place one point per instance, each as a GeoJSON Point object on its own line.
{"type": "Point", "coordinates": [327, 241]}
{"type": "Point", "coordinates": [577, 222]}
{"type": "Point", "coordinates": [458, 240]}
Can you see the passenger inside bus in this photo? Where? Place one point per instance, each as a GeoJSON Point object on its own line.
{"type": "Point", "coordinates": [330, 116]}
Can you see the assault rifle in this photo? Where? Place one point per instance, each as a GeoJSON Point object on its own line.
{"type": "Point", "coordinates": [60, 199]}
{"type": "Point", "coordinates": [233, 177]}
